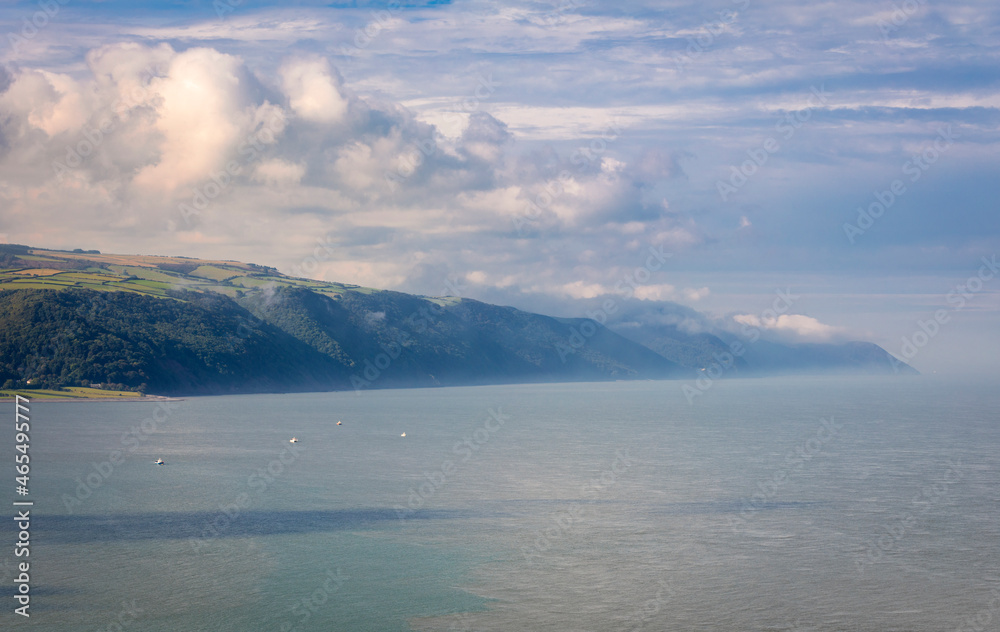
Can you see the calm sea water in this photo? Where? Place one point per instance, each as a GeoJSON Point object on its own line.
{"type": "Point", "coordinates": [792, 504]}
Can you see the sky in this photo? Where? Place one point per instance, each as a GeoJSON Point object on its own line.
{"type": "Point", "coordinates": [837, 160]}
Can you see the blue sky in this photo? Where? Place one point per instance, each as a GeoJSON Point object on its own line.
{"type": "Point", "coordinates": [531, 153]}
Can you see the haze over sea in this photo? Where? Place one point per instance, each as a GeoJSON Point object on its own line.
{"type": "Point", "coordinates": [869, 504]}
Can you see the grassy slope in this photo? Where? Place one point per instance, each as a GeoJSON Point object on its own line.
{"type": "Point", "coordinates": [507, 343]}
{"type": "Point", "coordinates": [149, 275]}
{"type": "Point", "coordinates": [69, 392]}
{"type": "Point", "coordinates": [328, 332]}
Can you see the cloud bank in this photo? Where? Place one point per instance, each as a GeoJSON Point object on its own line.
{"type": "Point", "coordinates": [526, 154]}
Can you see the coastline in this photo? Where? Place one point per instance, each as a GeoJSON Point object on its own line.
{"type": "Point", "coordinates": [144, 398]}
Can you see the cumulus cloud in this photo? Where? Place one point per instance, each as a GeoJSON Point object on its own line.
{"type": "Point", "coordinates": [202, 112]}
{"type": "Point", "coordinates": [484, 137]}
{"type": "Point", "coordinates": [634, 314]}
{"type": "Point", "coordinates": [800, 327]}
{"type": "Point", "coordinates": [314, 90]}
{"type": "Point", "coordinates": [696, 294]}
{"type": "Point", "coordinates": [581, 289]}
{"type": "Point", "coordinates": [656, 292]}
{"type": "Point", "coordinates": [278, 172]}
{"type": "Point", "coordinates": [594, 137]}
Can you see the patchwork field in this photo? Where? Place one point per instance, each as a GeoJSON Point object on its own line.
{"type": "Point", "coordinates": [70, 392]}
{"type": "Point", "coordinates": [149, 275]}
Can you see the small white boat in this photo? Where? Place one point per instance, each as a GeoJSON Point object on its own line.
{"type": "Point", "coordinates": [158, 461]}
{"type": "Point", "coordinates": [293, 440]}
{"type": "Point", "coordinates": [339, 423]}
{"type": "Point", "coordinates": [403, 435]}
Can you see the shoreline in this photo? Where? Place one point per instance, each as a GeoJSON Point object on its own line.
{"type": "Point", "coordinates": [178, 398]}
{"type": "Point", "coordinates": [145, 398]}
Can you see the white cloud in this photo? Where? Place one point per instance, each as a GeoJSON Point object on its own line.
{"type": "Point", "coordinates": [802, 327]}
{"type": "Point", "coordinates": [202, 114]}
{"type": "Point", "coordinates": [582, 289]}
{"type": "Point", "coordinates": [65, 107]}
{"type": "Point", "coordinates": [279, 172]}
{"type": "Point", "coordinates": [314, 90]}
{"type": "Point", "coordinates": [693, 294]}
{"type": "Point", "coordinates": [566, 79]}
{"type": "Point", "coordinates": [656, 292]}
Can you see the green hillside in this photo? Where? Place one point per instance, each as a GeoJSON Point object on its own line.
{"type": "Point", "coordinates": [175, 325]}
{"type": "Point", "coordinates": [170, 325]}
{"type": "Point", "coordinates": [22, 267]}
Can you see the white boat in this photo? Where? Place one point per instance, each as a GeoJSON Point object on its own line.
{"type": "Point", "coordinates": [339, 423]}
{"type": "Point", "coordinates": [293, 440]}
{"type": "Point", "coordinates": [158, 461]}
{"type": "Point", "coordinates": [403, 435]}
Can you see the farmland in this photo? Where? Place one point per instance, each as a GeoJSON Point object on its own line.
{"type": "Point", "coordinates": [38, 268]}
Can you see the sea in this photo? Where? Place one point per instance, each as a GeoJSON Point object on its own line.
{"type": "Point", "coordinates": [781, 504]}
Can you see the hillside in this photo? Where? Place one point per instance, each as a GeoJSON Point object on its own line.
{"type": "Point", "coordinates": [174, 325]}
{"type": "Point", "coordinates": [170, 325]}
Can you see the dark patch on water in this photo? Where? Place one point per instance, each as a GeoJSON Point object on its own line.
{"type": "Point", "coordinates": [204, 524]}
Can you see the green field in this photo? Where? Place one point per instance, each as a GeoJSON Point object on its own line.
{"type": "Point", "coordinates": [154, 284]}
{"type": "Point", "coordinates": [150, 275]}
{"type": "Point", "coordinates": [215, 273]}
{"type": "Point", "coordinates": [70, 392]}
{"type": "Point", "coordinates": [254, 282]}
{"type": "Point", "coordinates": [80, 279]}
